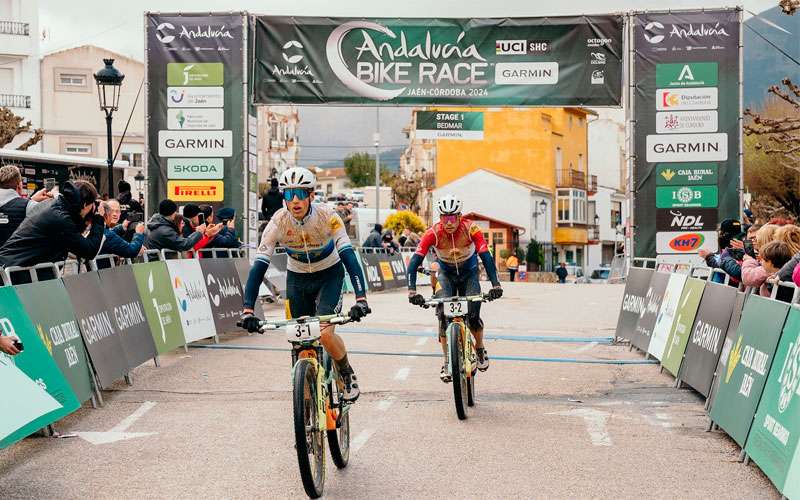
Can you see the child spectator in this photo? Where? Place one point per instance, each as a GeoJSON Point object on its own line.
{"type": "Point", "coordinates": [773, 257]}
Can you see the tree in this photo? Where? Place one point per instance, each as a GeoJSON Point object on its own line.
{"type": "Point", "coordinates": [403, 219]}
{"type": "Point", "coordinates": [360, 168]}
{"type": "Point", "coordinates": [11, 126]}
{"type": "Point", "coordinates": [772, 152]}
{"type": "Point", "coordinates": [534, 256]}
{"type": "Point", "coordinates": [789, 6]}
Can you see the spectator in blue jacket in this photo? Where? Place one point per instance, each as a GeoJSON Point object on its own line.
{"type": "Point", "coordinates": [227, 237]}
{"type": "Point", "coordinates": [115, 244]}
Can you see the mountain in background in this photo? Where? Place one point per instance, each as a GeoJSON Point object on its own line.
{"type": "Point", "coordinates": [763, 64]}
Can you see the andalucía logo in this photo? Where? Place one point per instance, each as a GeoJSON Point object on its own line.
{"type": "Point", "coordinates": [166, 32]}
{"type": "Point", "coordinates": [687, 242]}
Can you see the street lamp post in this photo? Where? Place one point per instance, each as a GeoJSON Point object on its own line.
{"type": "Point", "coordinates": [139, 178]}
{"type": "Point", "coordinates": [109, 82]}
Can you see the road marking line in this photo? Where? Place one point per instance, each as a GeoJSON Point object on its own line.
{"type": "Point", "coordinates": [117, 433]}
{"type": "Point", "coordinates": [361, 440]}
{"type": "Point", "coordinates": [402, 373]}
{"type": "Point", "coordinates": [384, 404]}
{"type": "Point", "coordinates": [422, 341]}
{"type": "Point", "coordinates": [133, 417]}
{"type": "Point", "coordinates": [595, 424]}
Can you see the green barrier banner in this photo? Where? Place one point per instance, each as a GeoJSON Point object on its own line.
{"type": "Point", "coordinates": [682, 326]}
{"type": "Point", "coordinates": [744, 377]}
{"type": "Point", "coordinates": [727, 346]}
{"type": "Point", "coordinates": [23, 401]}
{"type": "Point", "coordinates": [48, 306]}
{"type": "Point", "coordinates": [160, 308]}
{"type": "Point", "coordinates": [35, 361]}
{"type": "Point", "coordinates": [774, 437]}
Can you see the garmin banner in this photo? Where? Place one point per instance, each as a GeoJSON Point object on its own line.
{"type": "Point", "coordinates": [48, 307]}
{"type": "Point", "coordinates": [774, 438]}
{"type": "Point", "coordinates": [636, 285]}
{"type": "Point", "coordinates": [686, 137]}
{"type": "Point", "coordinates": [35, 362]}
{"type": "Point", "coordinates": [708, 335]}
{"type": "Point", "coordinates": [100, 334]}
{"type": "Point", "coordinates": [749, 361]}
{"type": "Point", "coordinates": [127, 312]}
{"type": "Point", "coordinates": [195, 109]}
{"type": "Point", "coordinates": [160, 308]}
{"type": "Point", "coordinates": [648, 311]}
{"type": "Point", "coordinates": [546, 61]}
{"type": "Point", "coordinates": [224, 292]}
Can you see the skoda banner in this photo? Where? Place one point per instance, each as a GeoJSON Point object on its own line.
{"type": "Point", "coordinates": [194, 308]}
{"type": "Point", "coordinates": [552, 61]}
{"type": "Point", "coordinates": [685, 96]}
{"type": "Point", "coordinates": [708, 335]}
{"type": "Point", "coordinates": [773, 441]}
{"type": "Point", "coordinates": [160, 308]}
{"type": "Point", "coordinates": [224, 292]}
{"type": "Point", "coordinates": [100, 333]}
{"type": "Point", "coordinates": [35, 362]}
{"type": "Point", "coordinates": [636, 285]}
{"type": "Point", "coordinates": [48, 307]}
{"type": "Point", "coordinates": [195, 109]}
{"type": "Point", "coordinates": [666, 317]}
{"type": "Point", "coordinates": [127, 312]}
{"type": "Point", "coordinates": [648, 311]}
{"type": "Point", "coordinates": [743, 378]}
{"type": "Point", "coordinates": [682, 326]}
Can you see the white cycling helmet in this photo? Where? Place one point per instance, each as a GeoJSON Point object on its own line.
{"type": "Point", "coordinates": [449, 205]}
{"type": "Point", "coordinates": [297, 177]}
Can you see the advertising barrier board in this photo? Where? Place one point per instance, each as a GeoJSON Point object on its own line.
{"type": "Point", "coordinates": [160, 308]}
{"type": "Point", "coordinates": [682, 326]}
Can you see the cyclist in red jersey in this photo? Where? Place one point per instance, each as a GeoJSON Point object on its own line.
{"type": "Point", "coordinates": [458, 244]}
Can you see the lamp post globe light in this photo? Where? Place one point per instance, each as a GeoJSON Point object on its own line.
{"type": "Point", "coordinates": [109, 83]}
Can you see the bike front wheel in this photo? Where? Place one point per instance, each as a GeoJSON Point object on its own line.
{"type": "Point", "coordinates": [309, 441]}
{"type": "Point", "coordinates": [455, 335]}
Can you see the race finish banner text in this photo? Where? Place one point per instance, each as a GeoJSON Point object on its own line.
{"type": "Point", "coordinates": [686, 137]}
{"type": "Point", "coordinates": [464, 125]}
{"type": "Point", "coordinates": [553, 61]}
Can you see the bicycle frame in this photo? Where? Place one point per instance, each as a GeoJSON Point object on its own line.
{"type": "Point", "coordinates": [467, 342]}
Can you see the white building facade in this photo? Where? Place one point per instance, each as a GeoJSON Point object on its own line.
{"type": "Point", "coordinates": [278, 138]}
{"type": "Point", "coordinates": [19, 63]}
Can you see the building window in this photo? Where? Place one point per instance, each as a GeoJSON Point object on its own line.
{"type": "Point", "coordinates": [572, 206]}
{"type": "Point", "coordinates": [580, 162]}
{"type": "Point", "coordinates": [72, 80]}
{"type": "Point", "coordinates": [78, 148]}
{"type": "Point", "coordinates": [616, 214]}
{"type": "Point", "coordinates": [133, 159]}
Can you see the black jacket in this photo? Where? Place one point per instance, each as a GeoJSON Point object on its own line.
{"type": "Point", "coordinates": [52, 232]}
{"type": "Point", "coordinates": [128, 204]}
{"type": "Point", "coordinates": [271, 203]}
{"type": "Point", "coordinates": [373, 240]}
{"type": "Point", "coordinates": [162, 233]}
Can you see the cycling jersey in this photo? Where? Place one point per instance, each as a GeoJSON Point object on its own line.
{"type": "Point", "coordinates": [454, 250]}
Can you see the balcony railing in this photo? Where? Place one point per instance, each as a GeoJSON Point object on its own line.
{"type": "Point", "coordinates": [592, 189]}
{"type": "Point", "coordinates": [593, 233]}
{"type": "Point", "coordinates": [15, 101]}
{"type": "Point", "coordinates": [15, 28]}
{"type": "Point", "coordinates": [570, 178]}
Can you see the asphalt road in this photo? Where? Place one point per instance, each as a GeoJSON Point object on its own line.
{"type": "Point", "coordinates": [215, 423]}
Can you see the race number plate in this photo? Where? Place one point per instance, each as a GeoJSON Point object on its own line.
{"type": "Point", "coordinates": [455, 308]}
{"type": "Point", "coordinates": [303, 332]}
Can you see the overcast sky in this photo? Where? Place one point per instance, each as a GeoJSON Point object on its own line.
{"type": "Point", "coordinates": [118, 25]}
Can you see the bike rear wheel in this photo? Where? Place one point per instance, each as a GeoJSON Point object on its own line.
{"type": "Point", "coordinates": [309, 441]}
{"type": "Point", "coordinates": [339, 438]}
{"type": "Point", "coordinates": [455, 334]}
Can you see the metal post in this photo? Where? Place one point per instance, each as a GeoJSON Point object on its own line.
{"type": "Point", "coordinates": [377, 164]}
{"type": "Point", "coordinates": [110, 160]}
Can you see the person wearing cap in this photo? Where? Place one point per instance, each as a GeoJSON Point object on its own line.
{"type": "Point", "coordinates": [731, 252]}
{"type": "Point", "coordinates": [164, 229]}
{"type": "Point", "coordinates": [223, 220]}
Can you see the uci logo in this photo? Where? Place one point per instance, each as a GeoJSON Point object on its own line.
{"type": "Point", "coordinates": [295, 58]}
{"type": "Point", "coordinates": [510, 47]}
{"type": "Point", "coordinates": [651, 30]}
{"type": "Point", "coordinates": [163, 35]}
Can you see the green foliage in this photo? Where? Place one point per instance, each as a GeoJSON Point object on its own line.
{"type": "Point", "coordinates": [504, 253]}
{"type": "Point", "coordinates": [520, 253]}
{"type": "Point", "coordinates": [403, 219]}
{"type": "Point", "coordinates": [360, 168]}
{"type": "Point", "coordinates": [534, 254]}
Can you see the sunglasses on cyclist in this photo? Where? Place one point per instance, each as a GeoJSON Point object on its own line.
{"type": "Point", "coordinates": [450, 219]}
{"type": "Point", "coordinates": [290, 193]}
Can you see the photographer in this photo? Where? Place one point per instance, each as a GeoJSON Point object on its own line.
{"type": "Point", "coordinates": [731, 254]}
{"type": "Point", "coordinates": [114, 244]}
{"type": "Point", "coordinates": [226, 238]}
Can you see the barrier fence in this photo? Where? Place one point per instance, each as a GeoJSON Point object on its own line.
{"type": "Point", "coordinates": [736, 348]}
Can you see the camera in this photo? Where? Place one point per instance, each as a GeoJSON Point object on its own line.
{"type": "Point", "coordinates": [18, 345]}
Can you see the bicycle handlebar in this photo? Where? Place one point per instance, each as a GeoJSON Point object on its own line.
{"type": "Point", "coordinates": [331, 319]}
{"type": "Point", "coordinates": [484, 297]}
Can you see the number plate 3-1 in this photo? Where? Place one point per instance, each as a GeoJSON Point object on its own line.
{"type": "Point", "coordinates": [303, 332]}
{"type": "Point", "coordinates": [455, 308]}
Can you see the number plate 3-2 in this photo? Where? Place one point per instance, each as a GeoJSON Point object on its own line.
{"type": "Point", "coordinates": [455, 308]}
{"type": "Point", "coordinates": [303, 332]}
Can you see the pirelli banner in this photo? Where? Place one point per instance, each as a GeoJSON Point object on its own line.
{"type": "Point", "coordinates": [546, 61]}
{"type": "Point", "coordinates": [686, 130]}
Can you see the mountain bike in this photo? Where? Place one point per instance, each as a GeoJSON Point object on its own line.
{"type": "Point", "coordinates": [318, 406]}
{"type": "Point", "coordinates": [461, 357]}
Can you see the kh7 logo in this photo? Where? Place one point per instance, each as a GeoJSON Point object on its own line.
{"type": "Point", "coordinates": [687, 242]}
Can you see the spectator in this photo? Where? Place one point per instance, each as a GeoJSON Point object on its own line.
{"type": "Point", "coordinates": [773, 257]}
{"type": "Point", "coordinates": [731, 253]}
{"type": "Point", "coordinates": [165, 230]}
{"type": "Point", "coordinates": [191, 220]}
{"type": "Point", "coordinates": [346, 215]}
{"type": "Point", "coordinates": [49, 234]}
{"type": "Point", "coordinates": [224, 225]}
{"type": "Point", "coordinates": [562, 273]}
{"type": "Point", "coordinates": [789, 234]}
{"type": "Point", "coordinates": [388, 243]}
{"type": "Point", "coordinates": [272, 200]}
{"type": "Point", "coordinates": [126, 201]}
{"type": "Point", "coordinates": [409, 238]}
{"type": "Point", "coordinates": [374, 238]}
{"type": "Point", "coordinates": [13, 207]}
{"type": "Point", "coordinates": [7, 345]}
{"type": "Point", "coordinates": [753, 273]}
{"type": "Point", "coordinates": [114, 244]}
{"type": "Point", "coordinates": [512, 264]}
